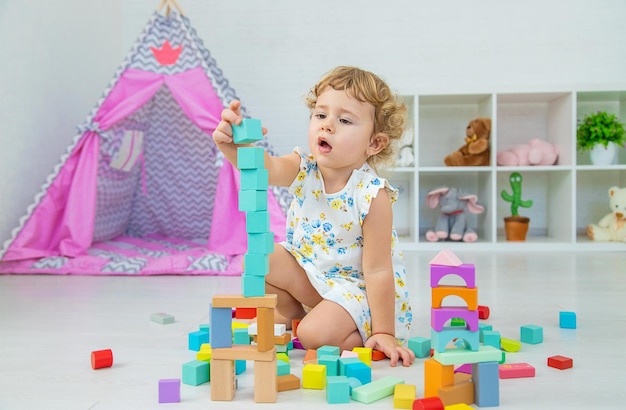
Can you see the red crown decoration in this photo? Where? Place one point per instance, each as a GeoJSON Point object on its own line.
{"type": "Point", "coordinates": [166, 55]}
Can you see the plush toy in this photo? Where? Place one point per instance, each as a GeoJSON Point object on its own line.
{"type": "Point", "coordinates": [536, 152]}
{"type": "Point", "coordinates": [405, 154]}
{"type": "Point", "coordinates": [475, 152]}
{"type": "Point", "coordinates": [452, 221]}
{"type": "Point", "coordinates": [613, 226]}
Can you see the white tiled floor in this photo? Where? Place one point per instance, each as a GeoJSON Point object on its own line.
{"type": "Point", "coordinates": [50, 324]}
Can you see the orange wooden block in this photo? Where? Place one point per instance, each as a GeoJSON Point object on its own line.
{"type": "Point", "coordinates": [436, 375]}
{"type": "Point", "coordinates": [378, 355]}
{"type": "Point", "coordinates": [237, 301]}
{"type": "Point", "coordinates": [462, 391]}
{"type": "Point", "coordinates": [469, 295]}
{"type": "Point", "coordinates": [243, 352]}
{"type": "Point", "coordinates": [294, 327]}
{"type": "Point", "coordinates": [279, 340]}
{"type": "Point", "coordinates": [310, 357]}
{"type": "Point", "coordinates": [288, 382]}
{"type": "Point", "coordinates": [265, 329]}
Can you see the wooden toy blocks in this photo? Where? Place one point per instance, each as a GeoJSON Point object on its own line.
{"type": "Point", "coordinates": [162, 318]}
{"type": "Point", "coordinates": [428, 403]}
{"type": "Point", "coordinates": [375, 390]}
{"type": "Point", "coordinates": [531, 334]}
{"type": "Point", "coordinates": [516, 370]}
{"type": "Point", "coordinates": [567, 320]}
{"type": "Point", "coordinates": [169, 391]}
{"type": "Point", "coordinates": [101, 359]}
{"type": "Point", "coordinates": [436, 375]}
{"type": "Point", "coordinates": [560, 362]}
{"type": "Point", "coordinates": [466, 272]}
{"type": "Point", "coordinates": [337, 389]}
{"type": "Point", "coordinates": [420, 346]}
{"type": "Point", "coordinates": [404, 396]}
{"type": "Point", "coordinates": [196, 372]}
{"type": "Point", "coordinates": [250, 158]}
{"type": "Point", "coordinates": [249, 131]}
{"type": "Point", "coordinates": [314, 376]}
{"type": "Point", "coordinates": [486, 384]}
{"type": "Point", "coordinates": [287, 382]}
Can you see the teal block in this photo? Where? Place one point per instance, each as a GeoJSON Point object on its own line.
{"type": "Point", "coordinates": [531, 334]}
{"type": "Point", "coordinates": [327, 350]}
{"type": "Point", "coordinates": [252, 285]}
{"type": "Point", "coordinates": [420, 346]}
{"type": "Point", "coordinates": [439, 340]}
{"type": "Point", "coordinates": [256, 264]}
{"type": "Point", "coordinates": [282, 368]}
{"type": "Point", "coordinates": [256, 179]}
{"type": "Point", "coordinates": [241, 336]}
{"type": "Point", "coordinates": [196, 339]}
{"type": "Point", "coordinates": [481, 328]}
{"type": "Point", "coordinates": [240, 366]}
{"type": "Point", "coordinates": [205, 327]}
{"type": "Point", "coordinates": [331, 362]}
{"type": "Point", "coordinates": [250, 130]}
{"type": "Point", "coordinates": [337, 389]}
{"type": "Point", "coordinates": [196, 372]}
{"type": "Point", "coordinates": [491, 338]}
{"type": "Point", "coordinates": [250, 157]}
{"type": "Point", "coordinates": [261, 242]}
{"type": "Point", "coordinates": [360, 371]}
{"type": "Point", "coordinates": [258, 222]}
{"type": "Point", "coordinates": [344, 361]}
{"type": "Point", "coordinates": [486, 378]}
{"type": "Point", "coordinates": [567, 320]}
{"type": "Point", "coordinates": [376, 390]}
{"type": "Point", "coordinates": [252, 201]}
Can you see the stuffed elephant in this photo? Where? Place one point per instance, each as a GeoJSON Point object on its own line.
{"type": "Point", "coordinates": [452, 222]}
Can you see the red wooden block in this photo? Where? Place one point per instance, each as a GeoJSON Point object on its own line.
{"type": "Point", "coordinates": [245, 313]}
{"type": "Point", "coordinates": [101, 359]}
{"type": "Point", "coordinates": [516, 370]}
{"type": "Point", "coordinates": [378, 355]}
{"type": "Point", "coordinates": [483, 312]}
{"type": "Point", "coordinates": [428, 403]}
{"type": "Point", "coordinates": [560, 362]}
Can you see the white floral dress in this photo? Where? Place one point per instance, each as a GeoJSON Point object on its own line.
{"type": "Point", "coordinates": [325, 235]}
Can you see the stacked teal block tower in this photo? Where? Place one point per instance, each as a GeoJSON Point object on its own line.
{"type": "Point", "coordinates": [253, 201]}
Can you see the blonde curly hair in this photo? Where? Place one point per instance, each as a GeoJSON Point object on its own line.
{"type": "Point", "coordinates": [390, 113]}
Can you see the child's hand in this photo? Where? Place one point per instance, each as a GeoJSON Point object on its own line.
{"type": "Point", "coordinates": [391, 348]}
{"type": "Point", "coordinates": [223, 133]}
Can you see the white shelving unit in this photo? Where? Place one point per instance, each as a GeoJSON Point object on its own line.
{"type": "Point", "coordinates": [567, 196]}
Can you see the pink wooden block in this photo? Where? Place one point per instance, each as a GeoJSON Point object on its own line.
{"type": "Point", "coordinates": [439, 317]}
{"type": "Point", "coordinates": [466, 271]}
{"type": "Point", "coordinates": [516, 370]}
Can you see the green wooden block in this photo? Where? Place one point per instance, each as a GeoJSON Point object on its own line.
{"type": "Point", "coordinates": [196, 372]}
{"type": "Point", "coordinates": [257, 222]}
{"type": "Point", "coordinates": [337, 389]}
{"type": "Point", "coordinates": [162, 318]}
{"type": "Point", "coordinates": [255, 179]}
{"type": "Point", "coordinates": [252, 201]}
{"type": "Point", "coordinates": [376, 390]}
{"type": "Point", "coordinates": [249, 131]}
{"type": "Point", "coordinates": [420, 346]}
{"type": "Point", "coordinates": [463, 356]}
{"type": "Point", "coordinates": [457, 321]}
{"type": "Point", "coordinates": [510, 345]}
{"type": "Point", "coordinates": [257, 264]}
{"type": "Point", "coordinates": [250, 157]}
{"type": "Point", "coordinates": [252, 285]}
{"type": "Point", "coordinates": [261, 242]}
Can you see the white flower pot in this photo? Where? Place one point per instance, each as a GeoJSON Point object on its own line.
{"type": "Point", "coordinates": [603, 156]}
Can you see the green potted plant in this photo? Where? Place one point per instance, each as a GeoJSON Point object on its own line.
{"type": "Point", "coordinates": [600, 133]}
{"type": "Point", "coordinates": [516, 226]}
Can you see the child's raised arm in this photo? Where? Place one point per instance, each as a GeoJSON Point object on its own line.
{"type": "Point", "coordinates": [379, 280]}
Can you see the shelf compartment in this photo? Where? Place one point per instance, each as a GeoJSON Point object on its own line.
{"type": "Point", "coordinates": [404, 209]}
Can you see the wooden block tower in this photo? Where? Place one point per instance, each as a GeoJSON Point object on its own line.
{"type": "Point", "coordinates": [252, 201]}
{"type": "Point", "coordinates": [439, 371]}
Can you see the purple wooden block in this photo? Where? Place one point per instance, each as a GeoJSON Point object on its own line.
{"type": "Point", "coordinates": [466, 271]}
{"type": "Point", "coordinates": [439, 317]}
{"type": "Point", "coordinates": [169, 391]}
{"type": "Point", "coordinates": [297, 344]}
{"type": "Point", "coordinates": [464, 368]}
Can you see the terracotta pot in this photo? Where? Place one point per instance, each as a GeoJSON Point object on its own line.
{"type": "Point", "coordinates": [516, 228]}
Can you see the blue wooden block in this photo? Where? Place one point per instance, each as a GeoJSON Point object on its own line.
{"type": "Point", "coordinates": [331, 362]}
{"type": "Point", "coordinates": [252, 285]}
{"type": "Point", "coordinates": [567, 320]}
{"type": "Point", "coordinates": [282, 368]}
{"type": "Point", "coordinates": [491, 338]}
{"type": "Point", "coordinates": [337, 389]}
{"type": "Point", "coordinates": [252, 201]}
{"type": "Point", "coordinates": [196, 372]}
{"type": "Point", "coordinates": [420, 346]}
{"type": "Point", "coordinates": [531, 334]}
{"type": "Point", "coordinates": [486, 378]}
{"type": "Point", "coordinates": [439, 340]}
{"type": "Point", "coordinates": [249, 131]}
{"type": "Point", "coordinates": [195, 339]}
{"type": "Point", "coordinates": [261, 242]}
{"type": "Point", "coordinates": [360, 371]}
{"type": "Point", "coordinates": [240, 366]}
{"type": "Point", "coordinates": [221, 327]}
{"type": "Point", "coordinates": [257, 222]}
{"type": "Point", "coordinates": [256, 179]}
{"type": "Point", "coordinates": [256, 264]}
{"type": "Point", "coordinates": [250, 157]}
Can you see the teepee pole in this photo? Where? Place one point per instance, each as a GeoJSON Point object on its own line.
{"type": "Point", "coordinates": [171, 4]}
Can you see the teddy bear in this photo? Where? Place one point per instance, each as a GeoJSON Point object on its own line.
{"type": "Point", "coordinates": [613, 226]}
{"type": "Point", "coordinates": [475, 151]}
{"type": "Point", "coordinates": [536, 152]}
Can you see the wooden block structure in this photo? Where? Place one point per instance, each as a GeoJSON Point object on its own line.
{"type": "Point", "coordinates": [439, 376]}
{"type": "Point", "coordinates": [224, 355]}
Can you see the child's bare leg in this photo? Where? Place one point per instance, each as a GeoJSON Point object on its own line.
{"type": "Point", "coordinates": [329, 324]}
{"type": "Point", "coordinates": [289, 281]}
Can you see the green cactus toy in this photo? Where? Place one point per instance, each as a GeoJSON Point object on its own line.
{"type": "Point", "coordinates": [515, 198]}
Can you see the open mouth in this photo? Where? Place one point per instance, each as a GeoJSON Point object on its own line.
{"type": "Point", "coordinates": [324, 146]}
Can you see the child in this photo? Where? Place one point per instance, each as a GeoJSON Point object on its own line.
{"type": "Point", "coordinates": [338, 270]}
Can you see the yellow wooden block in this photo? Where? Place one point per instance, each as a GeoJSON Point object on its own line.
{"type": "Point", "coordinates": [283, 357]}
{"type": "Point", "coordinates": [510, 345]}
{"type": "Point", "coordinates": [404, 396]}
{"type": "Point", "coordinates": [235, 301]}
{"type": "Point", "coordinates": [458, 406]}
{"type": "Point", "coordinates": [436, 376]}
{"type": "Point", "coordinates": [222, 380]}
{"type": "Point", "coordinates": [365, 354]}
{"type": "Point", "coordinates": [204, 355]}
{"type": "Point", "coordinates": [265, 382]}
{"type": "Point", "coordinates": [314, 376]}
{"type": "Point", "coordinates": [243, 352]}
{"type": "Point", "coordinates": [239, 325]}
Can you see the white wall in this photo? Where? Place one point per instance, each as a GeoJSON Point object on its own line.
{"type": "Point", "coordinates": [273, 51]}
